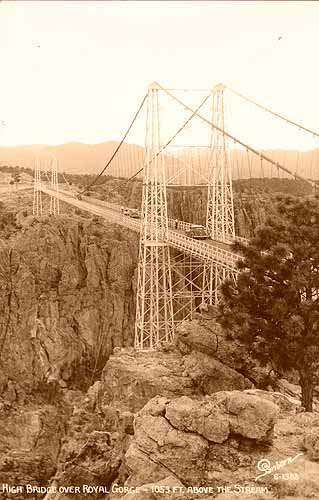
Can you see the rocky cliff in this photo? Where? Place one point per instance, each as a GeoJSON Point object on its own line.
{"type": "Point", "coordinates": [149, 430]}
{"type": "Point", "coordinates": [66, 301]}
{"type": "Point", "coordinates": [80, 408]}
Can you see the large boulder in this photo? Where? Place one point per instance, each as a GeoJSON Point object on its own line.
{"type": "Point", "coordinates": [202, 441]}
{"type": "Point", "coordinates": [205, 335]}
{"type": "Point", "coordinates": [203, 418]}
{"type": "Point", "coordinates": [288, 405]}
{"type": "Point", "coordinates": [131, 379]}
{"type": "Point", "coordinates": [211, 375]}
{"type": "Point", "coordinates": [224, 413]}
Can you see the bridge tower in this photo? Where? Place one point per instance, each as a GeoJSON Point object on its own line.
{"type": "Point", "coordinates": [54, 200]}
{"type": "Point", "coordinates": [154, 304]}
{"type": "Point", "coordinates": [220, 220]}
{"type": "Point", "coordinates": [37, 193]}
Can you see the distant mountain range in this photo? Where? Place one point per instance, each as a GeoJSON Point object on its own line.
{"type": "Point", "coordinates": [74, 157]}
{"type": "Point", "coordinates": [79, 158]}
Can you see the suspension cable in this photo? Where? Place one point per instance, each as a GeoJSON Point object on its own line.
{"type": "Point", "coordinates": [117, 148]}
{"type": "Point", "coordinates": [237, 141]}
{"type": "Point", "coordinates": [66, 181]}
{"type": "Point", "coordinates": [172, 138]}
{"type": "Point", "coordinates": [273, 112]}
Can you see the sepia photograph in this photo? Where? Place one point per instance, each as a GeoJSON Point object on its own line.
{"type": "Point", "coordinates": [159, 250]}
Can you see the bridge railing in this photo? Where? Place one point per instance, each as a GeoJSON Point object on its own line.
{"type": "Point", "coordinates": [184, 226]}
{"type": "Point", "coordinates": [101, 203]}
{"type": "Point", "coordinates": [180, 224]}
{"type": "Point", "coordinates": [96, 201]}
{"type": "Point", "coordinates": [230, 239]}
{"type": "Point", "coordinates": [203, 250]}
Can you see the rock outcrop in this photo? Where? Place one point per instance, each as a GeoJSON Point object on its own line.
{"type": "Point", "coordinates": [66, 300]}
{"type": "Point", "coordinates": [204, 335]}
{"type": "Point", "coordinates": [200, 442]}
{"type": "Point", "coordinates": [100, 428]}
{"type": "Point", "coordinates": [130, 379]}
{"type": "Point", "coordinates": [192, 414]}
{"type": "Point", "coordinates": [30, 442]}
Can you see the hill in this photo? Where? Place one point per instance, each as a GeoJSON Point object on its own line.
{"type": "Point", "coordinates": [75, 157]}
{"type": "Point", "coordinates": [182, 167]}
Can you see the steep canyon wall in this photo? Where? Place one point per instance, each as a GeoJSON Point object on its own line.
{"type": "Point", "coordinates": [66, 300]}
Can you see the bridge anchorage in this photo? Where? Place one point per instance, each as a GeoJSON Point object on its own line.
{"type": "Point", "coordinates": [176, 274]}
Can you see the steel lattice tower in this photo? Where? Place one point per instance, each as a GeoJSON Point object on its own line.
{"type": "Point", "coordinates": [37, 194]}
{"type": "Point", "coordinates": [54, 200]}
{"type": "Point", "coordinates": [154, 304]}
{"type": "Point", "coordinates": [220, 221]}
{"type": "Point", "coordinates": [220, 207]}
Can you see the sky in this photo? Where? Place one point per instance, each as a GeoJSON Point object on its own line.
{"type": "Point", "coordinates": [77, 71]}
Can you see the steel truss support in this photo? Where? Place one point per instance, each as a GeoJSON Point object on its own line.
{"type": "Point", "coordinates": [154, 302]}
{"type": "Point", "coordinates": [187, 278]}
{"type": "Point", "coordinates": [54, 208]}
{"type": "Point", "coordinates": [196, 284]}
{"type": "Point", "coordinates": [220, 220]}
{"type": "Point", "coordinates": [214, 275]}
{"type": "Point", "coordinates": [37, 193]}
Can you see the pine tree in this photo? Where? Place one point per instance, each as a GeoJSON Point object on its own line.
{"type": "Point", "coordinates": [274, 306]}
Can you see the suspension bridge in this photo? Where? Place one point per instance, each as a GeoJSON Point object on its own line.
{"type": "Point", "coordinates": [178, 274]}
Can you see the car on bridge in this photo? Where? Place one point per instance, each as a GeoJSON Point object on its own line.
{"type": "Point", "coordinates": [132, 212]}
{"type": "Point", "coordinates": [197, 232]}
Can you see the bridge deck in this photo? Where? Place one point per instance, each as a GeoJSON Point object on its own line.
{"type": "Point", "coordinates": [206, 250]}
